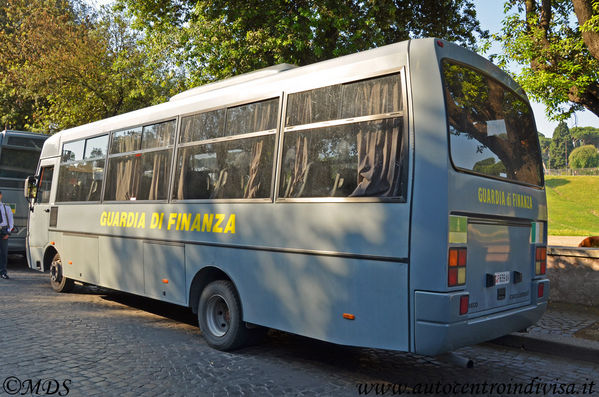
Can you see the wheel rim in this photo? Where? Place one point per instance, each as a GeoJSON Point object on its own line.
{"type": "Point", "coordinates": [218, 317]}
{"type": "Point", "coordinates": [55, 271]}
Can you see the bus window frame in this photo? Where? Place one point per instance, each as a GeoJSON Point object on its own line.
{"type": "Point", "coordinates": [404, 153]}
{"type": "Point", "coordinates": [61, 163]}
{"type": "Point", "coordinates": [109, 155]}
{"type": "Point", "coordinates": [274, 131]}
{"type": "Point", "coordinates": [449, 153]}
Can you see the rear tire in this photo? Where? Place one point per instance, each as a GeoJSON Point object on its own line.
{"type": "Point", "coordinates": [59, 282]}
{"type": "Point", "coordinates": [220, 316]}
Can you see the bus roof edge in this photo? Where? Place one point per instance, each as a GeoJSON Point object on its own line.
{"type": "Point", "coordinates": [242, 78]}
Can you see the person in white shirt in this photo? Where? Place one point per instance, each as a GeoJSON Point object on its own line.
{"type": "Point", "coordinates": [6, 227]}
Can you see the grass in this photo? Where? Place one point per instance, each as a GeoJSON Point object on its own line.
{"type": "Point", "coordinates": [573, 205]}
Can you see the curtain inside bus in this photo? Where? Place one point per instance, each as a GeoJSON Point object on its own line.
{"type": "Point", "coordinates": [235, 167]}
{"type": "Point", "coordinates": [356, 159]}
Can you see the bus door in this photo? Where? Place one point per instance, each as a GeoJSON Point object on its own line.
{"type": "Point", "coordinates": [43, 215]}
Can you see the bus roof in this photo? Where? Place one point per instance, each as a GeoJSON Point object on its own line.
{"type": "Point", "coordinates": [270, 82]}
{"type": "Point", "coordinates": [23, 133]}
{"type": "Point", "coordinates": [24, 139]}
{"type": "Point", "coordinates": [242, 78]}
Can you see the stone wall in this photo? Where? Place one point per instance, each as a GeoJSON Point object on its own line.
{"type": "Point", "coordinates": [574, 275]}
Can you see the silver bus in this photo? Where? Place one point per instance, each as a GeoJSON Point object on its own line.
{"type": "Point", "coordinates": [19, 155]}
{"type": "Point", "coordinates": [392, 199]}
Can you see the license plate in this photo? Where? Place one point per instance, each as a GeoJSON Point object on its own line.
{"type": "Point", "coordinates": [502, 278]}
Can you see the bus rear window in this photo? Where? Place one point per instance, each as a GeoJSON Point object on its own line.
{"type": "Point", "coordinates": [492, 129]}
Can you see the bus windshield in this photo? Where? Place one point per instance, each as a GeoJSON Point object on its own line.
{"type": "Point", "coordinates": [16, 163]}
{"type": "Point", "coordinates": [492, 129]}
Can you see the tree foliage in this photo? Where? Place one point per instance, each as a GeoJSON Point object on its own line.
{"type": "Point", "coordinates": [214, 39]}
{"type": "Point", "coordinates": [15, 109]}
{"type": "Point", "coordinates": [584, 157]}
{"type": "Point", "coordinates": [559, 58]}
{"type": "Point", "coordinates": [65, 65]}
{"type": "Point", "coordinates": [586, 135]}
{"type": "Point", "coordinates": [561, 146]}
{"type": "Point", "coordinates": [545, 143]}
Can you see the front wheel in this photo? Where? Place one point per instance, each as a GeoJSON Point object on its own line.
{"type": "Point", "coordinates": [220, 317]}
{"type": "Point", "coordinates": [59, 282]}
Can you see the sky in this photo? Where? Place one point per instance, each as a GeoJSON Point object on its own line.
{"type": "Point", "coordinates": [490, 15]}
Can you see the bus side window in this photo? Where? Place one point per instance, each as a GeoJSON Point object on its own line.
{"type": "Point", "coordinates": [139, 163]}
{"type": "Point", "coordinates": [314, 106]}
{"type": "Point", "coordinates": [351, 160]}
{"type": "Point", "coordinates": [239, 168]}
{"type": "Point", "coordinates": [215, 163]}
{"type": "Point", "coordinates": [82, 169]}
{"type": "Point", "coordinates": [355, 158]}
{"type": "Point", "coordinates": [45, 185]}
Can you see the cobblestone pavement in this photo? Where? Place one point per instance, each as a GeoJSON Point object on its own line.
{"type": "Point", "coordinates": [565, 320]}
{"type": "Point", "coordinates": [96, 342]}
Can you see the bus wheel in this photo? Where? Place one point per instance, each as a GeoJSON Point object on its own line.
{"type": "Point", "coordinates": [57, 280]}
{"type": "Point", "coordinates": [220, 318]}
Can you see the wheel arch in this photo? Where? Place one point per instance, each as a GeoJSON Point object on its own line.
{"type": "Point", "coordinates": [205, 276]}
{"type": "Point", "coordinates": [48, 256]}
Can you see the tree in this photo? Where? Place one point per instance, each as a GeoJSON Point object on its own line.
{"type": "Point", "coordinates": [73, 66]}
{"type": "Point", "coordinates": [214, 39]}
{"type": "Point", "coordinates": [15, 110]}
{"type": "Point", "coordinates": [584, 157]}
{"type": "Point", "coordinates": [586, 135]}
{"type": "Point", "coordinates": [561, 146]}
{"type": "Point", "coordinates": [559, 58]}
{"type": "Point", "coordinates": [488, 166]}
{"type": "Point", "coordinates": [545, 143]}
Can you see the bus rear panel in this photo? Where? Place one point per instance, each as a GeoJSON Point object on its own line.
{"type": "Point", "coordinates": [19, 155]}
{"type": "Point", "coordinates": [492, 279]}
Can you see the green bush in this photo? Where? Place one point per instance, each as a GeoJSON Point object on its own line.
{"type": "Point", "coordinates": [584, 157]}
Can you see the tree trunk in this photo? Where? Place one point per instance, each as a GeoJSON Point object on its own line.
{"type": "Point", "coordinates": [584, 12]}
{"type": "Point", "coordinates": [589, 98]}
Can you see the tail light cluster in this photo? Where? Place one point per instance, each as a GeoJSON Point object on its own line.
{"type": "Point", "coordinates": [541, 261]}
{"type": "Point", "coordinates": [456, 274]}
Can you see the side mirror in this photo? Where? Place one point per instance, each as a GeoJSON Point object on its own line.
{"type": "Point", "coordinates": [31, 188]}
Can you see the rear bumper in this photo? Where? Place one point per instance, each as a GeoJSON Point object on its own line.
{"type": "Point", "coordinates": [439, 327]}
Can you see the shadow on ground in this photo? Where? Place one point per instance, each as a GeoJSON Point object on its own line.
{"type": "Point", "coordinates": [163, 309]}
{"type": "Point", "coordinates": [16, 261]}
{"type": "Point", "coordinates": [553, 183]}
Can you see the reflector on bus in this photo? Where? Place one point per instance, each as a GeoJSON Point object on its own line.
{"type": "Point", "coordinates": [464, 304]}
